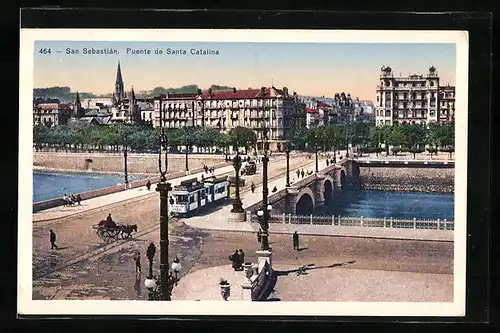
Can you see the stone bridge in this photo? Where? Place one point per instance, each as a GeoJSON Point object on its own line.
{"type": "Point", "coordinates": [302, 196]}
{"type": "Point", "coordinates": [321, 187]}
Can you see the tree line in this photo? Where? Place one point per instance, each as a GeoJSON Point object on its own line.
{"type": "Point", "coordinates": [76, 137]}
{"type": "Point", "coordinates": [364, 137]}
{"type": "Point", "coordinates": [367, 138]}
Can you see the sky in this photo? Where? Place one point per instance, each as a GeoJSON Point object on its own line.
{"type": "Point", "coordinates": [313, 69]}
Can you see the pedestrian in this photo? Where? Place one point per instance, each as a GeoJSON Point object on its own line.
{"type": "Point", "coordinates": [252, 187]}
{"type": "Point", "coordinates": [148, 185]}
{"type": "Point", "coordinates": [150, 254]}
{"type": "Point", "coordinates": [65, 199]}
{"type": "Point", "coordinates": [53, 240]}
{"type": "Point", "coordinates": [298, 173]}
{"type": "Point", "coordinates": [79, 199]}
{"type": "Point", "coordinates": [259, 236]}
{"type": "Point", "coordinates": [295, 240]}
{"type": "Point", "coordinates": [242, 257]}
{"type": "Point", "coordinates": [235, 257]}
{"type": "Point", "coordinates": [302, 173]}
{"type": "Point", "coordinates": [202, 177]}
{"type": "Point", "coordinates": [327, 162]}
{"type": "Point", "coordinates": [137, 259]}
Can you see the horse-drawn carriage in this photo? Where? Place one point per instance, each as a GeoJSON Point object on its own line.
{"type": "Point", "coordinates": [109, 230]}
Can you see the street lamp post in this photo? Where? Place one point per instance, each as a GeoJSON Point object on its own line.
{"type": "Point", "coordinates": [316, 148]}
{"type": "Point", "coordinates": [265, 193]}
{"type": "Point", "coordinates": [186, 140]}
{"type": "Point", "coordinates": [287, 165]}
{"type": "Point", "coordinates": [237, 204]}
{"type": "Point", "coordinates": [125, 156]}
{"type": "Point", "coordinates": [166, 281]}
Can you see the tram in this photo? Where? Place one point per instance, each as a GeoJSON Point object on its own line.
{"type": "Point", "coordinates": [192, 195]}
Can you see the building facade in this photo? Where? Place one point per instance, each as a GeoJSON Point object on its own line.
{"type": "Point", "coordinates": [270, 108]}
{"type": "Point", "coordinates": [413, 99]}
{"type": "Point", "coordinates": [51, 114]}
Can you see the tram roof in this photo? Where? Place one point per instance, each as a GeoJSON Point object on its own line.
{"type": "Point", "coordinates": [215, 180]}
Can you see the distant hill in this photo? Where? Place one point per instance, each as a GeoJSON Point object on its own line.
{"type": "Point", "coordinates": [63, 94]}
{"type": "Point", "coordinates": [192, 88]}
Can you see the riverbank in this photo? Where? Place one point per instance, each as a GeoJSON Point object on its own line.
{"type": "Point", "coordinates": [56, 170]}
{"type": "Point", "coordinates": [408, 179]}
{"type": "Point", "coordinates": [115, 162]}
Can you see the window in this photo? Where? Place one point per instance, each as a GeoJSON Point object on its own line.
{"type": "Point", "coordinates": [191, 199]}
{"type": "Point", "coordinates": [181, 199]}
{"type": "Point", "coordinates": [431, 83]}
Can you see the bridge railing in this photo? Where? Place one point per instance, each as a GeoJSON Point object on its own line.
{"type": "Point", "coordinates": [350, 221]}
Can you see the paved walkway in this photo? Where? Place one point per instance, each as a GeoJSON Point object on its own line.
{"type": "Point", "coordinates": [340, 282]}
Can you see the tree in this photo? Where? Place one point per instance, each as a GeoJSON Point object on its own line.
{"type": "Point", "coordinates": [396, 138]}
{"type": "Point", "coordinates": [415, 137]}
{"type": "Point", "coordinates": [242, 137]}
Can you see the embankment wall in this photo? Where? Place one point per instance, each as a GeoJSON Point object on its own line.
{"type": "Point", "coordinates": [110, 162]}
{"type": "Point", "coordinates": [408, 179]}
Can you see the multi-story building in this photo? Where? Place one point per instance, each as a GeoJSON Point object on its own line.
{"type": "Point", "coordinates": [270, 108]}
{"type": "Point", "coordinates": [51, 114]}
{"type": "Point", "coordinates": [319, 113]}
{"type": "Point", "coordinates": [412, 99]}
{"type": "Point", "coordinates": [447, 103]}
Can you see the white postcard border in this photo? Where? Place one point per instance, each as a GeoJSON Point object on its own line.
{"type": "Point", "coordinates": [26, 305]}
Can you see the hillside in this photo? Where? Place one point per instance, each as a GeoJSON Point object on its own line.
{"type": "Point", "coordinates": [63, 94]}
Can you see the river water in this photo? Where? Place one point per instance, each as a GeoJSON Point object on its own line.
{"type": "Point", "coordinates": [385, 204]}
{"type": "Point", "coordinates": [49, 185]}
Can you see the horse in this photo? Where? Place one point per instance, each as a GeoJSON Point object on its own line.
{"type": "Point", "coordinates": [126, 230]}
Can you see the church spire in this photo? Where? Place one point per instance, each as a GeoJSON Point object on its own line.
{"type": "Point", "coordinates": [119, 91]}
{"type": "Point", "coordinates": [78, 105]}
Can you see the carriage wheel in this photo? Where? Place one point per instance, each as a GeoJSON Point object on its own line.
{"type": "Point", "coordinates": [101, 232]}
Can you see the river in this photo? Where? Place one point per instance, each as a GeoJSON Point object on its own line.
{"type": "Point", "coordinates": [48, 185]}
{"type": "Point", "coordinates": [384, 204]}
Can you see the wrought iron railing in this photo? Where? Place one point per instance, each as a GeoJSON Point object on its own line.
{"type": "Point", "coordinates": [349, 221]}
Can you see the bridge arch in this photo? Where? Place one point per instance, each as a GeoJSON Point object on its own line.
{"type": "Point", "coordinates": [340, 178]}
{"type": "Point", "coordinates": [327, 188]}
{"type": "Point", "coordinates": [305, 202]}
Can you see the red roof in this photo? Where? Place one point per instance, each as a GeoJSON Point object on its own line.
{"type": "Point", "coordinates": [66, 106]}
{"type": "Point", "coordinates": [239, 94]}
{"type": "Point", "coordinates": [323, 105]}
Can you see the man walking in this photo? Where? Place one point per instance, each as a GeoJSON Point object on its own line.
{"type": "Point", "coordinates": [137, 259]}
{"type": "Point", "coordinates": [259, 236]}
{"type": "Point", "coordinates": [295, 240]}
{"type": "Point", "coordinates": [150, 253]}
{"type": "Point", "coordinates": [53, 240]}
{"type": "Point", "coordinates": [298, 173]}
{"type": "Point", "coordinates": [242, 257]}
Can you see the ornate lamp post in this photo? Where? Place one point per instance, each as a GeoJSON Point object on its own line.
{"type": "Point", "coordinates": [237, 204]}
{"type": "Point", "coordinates": [287, 165]}
{"type": "Point", "coordinates": [167, 281]}
{"type": "Point", "coordinates": [348, 104]}
{"type": "Point", "coordinates": [265, 193]}
{"type": "Point", "coordinates": [186, 141]}
{"type": "Point", "coordinates": [125, 156]}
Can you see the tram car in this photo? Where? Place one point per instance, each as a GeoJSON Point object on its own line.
{"type": "Point", "coordinates": [192, 195]}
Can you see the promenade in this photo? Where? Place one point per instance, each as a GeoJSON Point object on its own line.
{"type": "Point", "coordinates": [339, 283]}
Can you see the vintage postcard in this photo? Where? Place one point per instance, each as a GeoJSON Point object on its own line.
{"type": "Point", "coordinates": [242, 172]}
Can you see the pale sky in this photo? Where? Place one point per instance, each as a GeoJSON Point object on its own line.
{"type": "Point", "coordinates": [315, 69]}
